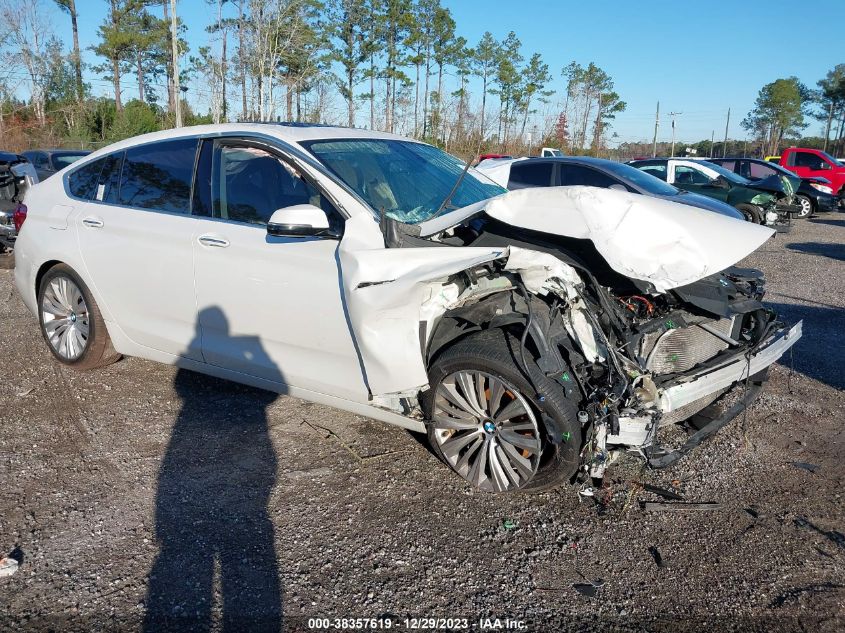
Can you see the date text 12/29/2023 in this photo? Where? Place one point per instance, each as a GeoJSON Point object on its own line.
{"type": "Point", "coordinates": [417, 624]}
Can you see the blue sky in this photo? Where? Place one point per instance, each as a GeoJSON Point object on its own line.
{"type": "Point", "coordinates": [696, 58]}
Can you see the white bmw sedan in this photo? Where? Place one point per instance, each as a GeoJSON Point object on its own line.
{"type": "Point", "coordinates": [530, 334]}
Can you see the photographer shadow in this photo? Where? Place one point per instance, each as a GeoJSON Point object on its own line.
{"type": "Point", "coordinates": [211, 518]}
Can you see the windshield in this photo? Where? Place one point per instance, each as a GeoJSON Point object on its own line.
{"type": "Point", "coordinates": [63, 160]}
{"type": "Point", "coordinates": [728, 174]}
{"type": "Point", "coordinates": [407, 181]}
{"type": "Point", "coordinates": [645, 181]}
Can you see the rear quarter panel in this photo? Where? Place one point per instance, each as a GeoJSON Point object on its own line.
{"type": "Point", "coordinates": [49, 235]}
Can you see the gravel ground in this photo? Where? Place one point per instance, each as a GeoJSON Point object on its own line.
{"type": "Point", "coordinates": [140, 496]}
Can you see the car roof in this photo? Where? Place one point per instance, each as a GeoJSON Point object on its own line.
{"type": "Point", "coordinates": [290, 132]}
{"type": "Point", "coordinates": [587, 160]}
{"type": "Point", "coordinates": [9, 157]}
{"type": "Point", "coordinates": [58, 151]}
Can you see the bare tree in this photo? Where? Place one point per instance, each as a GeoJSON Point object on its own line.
{"type": "Point", "coordinates": [30, 32]}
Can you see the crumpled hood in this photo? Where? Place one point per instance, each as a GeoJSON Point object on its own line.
{"type": "Point", "coordinates": [658, 241]}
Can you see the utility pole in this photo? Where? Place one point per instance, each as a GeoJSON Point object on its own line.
{"type": "Point", "coordinates": [712, 136]}
{"type": "Point", "coordinates": [174, 52]}
{"type": "Point", "coordinates": [656, 125]}
{"type": "Point", "coordinates": [673, 115]}
{"type": "Point", "coordinates": [727, 123]}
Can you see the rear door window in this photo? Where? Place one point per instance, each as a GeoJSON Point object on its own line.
{"type": "Point", "coordinates": [580, 175]}
{"type": "Point", "coordinates": [83, 182]}
{"type": "Point", "coordinates": [689, 176]}
{"type": "Point", "coordinates": [38, 160]}
{"type": "Point", "coordinates": [530, 174]}
{"type": "Point", "coordinates": [758, 171]}
{"type": "Point", "coordinates": [158, 176]}
{"type": "Point", "coordinates": [658, 171]}
{"type": "Point", "coordinates": [109, 179]}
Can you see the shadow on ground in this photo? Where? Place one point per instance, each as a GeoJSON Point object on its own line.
{"type": "Point", "coordinates": [832, 251]}
{"type": "Point", "coordinates": [217, 560]}
{"type": "Point", "coordinates": [811, 355]}
{"type": "Point", "coordinates": [830, 222]}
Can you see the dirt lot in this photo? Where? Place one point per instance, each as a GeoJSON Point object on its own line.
{"type": "Point", "coordinates": [144, 497]}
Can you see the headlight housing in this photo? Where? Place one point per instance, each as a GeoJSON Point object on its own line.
{"type": "Point", "coordinates": [822, 188]}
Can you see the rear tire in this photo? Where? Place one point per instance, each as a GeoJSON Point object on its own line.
{"type": "Point", "coordinates": [806, 206]}
{"type": "Point", "coordinates": [486, 419]}
{"type": "Point", "coordinates": [71, 323]}
{"type": "Point", "coordinates": [751, 213]}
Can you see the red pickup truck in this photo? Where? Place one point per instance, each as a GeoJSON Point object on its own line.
{"type": "Point", "coordinates": [810, 163]}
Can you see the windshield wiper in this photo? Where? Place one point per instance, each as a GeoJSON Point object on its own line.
{"type": "Point", "coordinates": [448, 198]}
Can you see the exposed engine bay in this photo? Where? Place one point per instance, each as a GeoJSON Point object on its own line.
{"type": "Point", "coordinates": [636, 354]}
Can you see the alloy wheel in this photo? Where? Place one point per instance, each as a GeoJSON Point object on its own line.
{"type": "Point", "coordinates": [486, 430]}
{"type": "Point", "coordinates": [65, 317]}
{"type": "Point", "coordinates": [806, 206]}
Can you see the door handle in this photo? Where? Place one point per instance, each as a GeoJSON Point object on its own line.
{"type": "Point", "coordinates": [213, 240]}
{"type": "Point", "coordinates": [93, 223]}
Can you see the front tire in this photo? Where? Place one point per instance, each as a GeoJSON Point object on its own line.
{"type": "Point", "coordinates": [806, 206]}
{"type": "Point", "coordinates": [71, 322]}
{"type": "Point", "coordinates": [751, 213]}
{"type": "Point", "coordinates": [487, 420]}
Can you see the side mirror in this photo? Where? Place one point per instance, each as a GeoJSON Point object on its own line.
{"type": "Point", "coordinates": [825, 166]}
{"type": "Point", "coordinates": [299, 220]}
{"type": "Point", "coordinates": [721, 183]}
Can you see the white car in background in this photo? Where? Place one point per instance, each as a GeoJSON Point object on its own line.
{"type": "Point", "coordinates": [531, 334]}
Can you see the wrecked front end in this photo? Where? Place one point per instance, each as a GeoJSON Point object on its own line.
{"type": "Point", "coordinates": [641, 329]}
{"type": "Point", "coordinates": [783, 205]}
{"type": "Point", "coordinates": [635, 362]}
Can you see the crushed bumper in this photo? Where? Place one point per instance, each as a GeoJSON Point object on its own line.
{"type": "Point", "coordinates": [662, 459]}
{"type": "Point", "coordinates": [825, 203]}
{"type": "Point", "coordinates": [717, 379]}
{"type": "Point", "coordinates": [692, 387]}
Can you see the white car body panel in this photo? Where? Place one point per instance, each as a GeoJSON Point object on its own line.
{"type": "Point", "coordinates": [712, 174]}
{"type": "Point", "coordinates": [273, 307]}
{"type": "Point", "coordinates": [498, 169]}
{"type": "Point", "coordinates": [650, 239]}
{"type": "Point", "coordinates": [128, 257]}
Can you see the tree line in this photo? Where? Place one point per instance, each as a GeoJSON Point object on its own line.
{"type": "Point", "coordinates": [391, 65]}
{"type": "Point", "coordinates": [783, 107]}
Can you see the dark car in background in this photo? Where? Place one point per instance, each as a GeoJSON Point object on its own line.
{"type": "Point", "coordinates": [763, 202]}
{"type": "Point", "coordinates": [48, 161]}
{"type": "Point", "coordinates": [593, 172]}
{"type": "Point", "coordinates": [814, 193]}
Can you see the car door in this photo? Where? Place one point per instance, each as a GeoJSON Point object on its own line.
{"type": "Point", "coordinates": [270, 307]}
{"type": "Point", "coordinates": [135, 238]}
{"type": "Point", "coordinates": [691, 178]}
{"type": "Point", "coordinates": [807, 164]}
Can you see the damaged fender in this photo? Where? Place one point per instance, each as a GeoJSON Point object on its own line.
{"type": "Point", "coordinates": [389, 292]}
